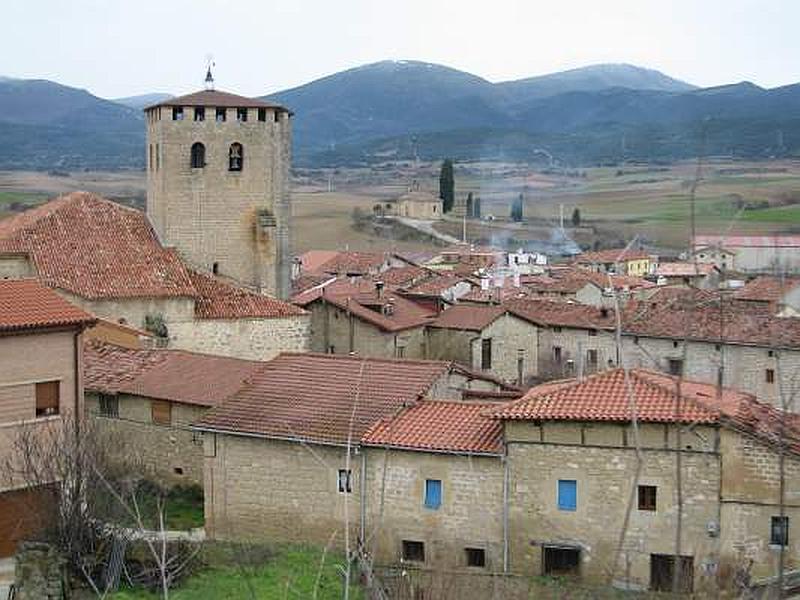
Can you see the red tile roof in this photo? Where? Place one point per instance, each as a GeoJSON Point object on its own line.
{"type": "Point", "coordinates": [27, 304]}
{"type": "Point", "coordinates": [604, 397]}
{"type": "Point", "coordinates": [562, 314]}
{"type": "Point", "coordinates": [435, 286]}
{"type": "Point", "coordinates": [216, 98]}
{"type": "Point", "coordinates": [175, 375]}
{"type": "Point", "coordinates": [287, 399]}
{"type": "Point", "coordinates": [408, 275]}
{"type": "Point", "coordinates": [440, 426]}
{"type": "Point", "coordinates": [468, 317]}
{"type": "Point", "coordinates": [96, 248]}
{"type": "Point", "coordinates": [766, 289]}
{"type": "Point", "coordinates": [219, 300]}
{"type": "Point", "coordinates": [612, 255]}
{"type": "Point", "coordinates": [342, 263]}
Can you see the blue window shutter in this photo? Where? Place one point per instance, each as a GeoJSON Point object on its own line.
{"type": "Point", "coordinates": [433, 493]}
{"type": "Point", "coordinates": [567, 494]}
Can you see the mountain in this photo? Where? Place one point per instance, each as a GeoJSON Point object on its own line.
{"type": "Point", "coordinates": [44, 124]}
{"type": "Point", "coordinates": [142, 100]}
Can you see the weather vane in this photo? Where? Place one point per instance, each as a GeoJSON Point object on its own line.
{"type": "Point", "coordinates": [209, 77]}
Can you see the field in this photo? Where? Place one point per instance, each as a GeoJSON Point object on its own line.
{"type": "Point", "coordinates": [615, 203]}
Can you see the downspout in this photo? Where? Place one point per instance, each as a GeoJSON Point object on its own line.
{"type": "Point", "coordinates": [77, 375]}
{"type": "Point", "coordinates": [505, 508]}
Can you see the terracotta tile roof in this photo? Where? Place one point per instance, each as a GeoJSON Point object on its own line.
{"type": "Point", "coordinates": [219, 300]}
{"type": "Point", "coordinates": [216, 98]}
{"type": "Point", "coordinates": [602, 280]}
{"type": "Point", "coordinates": [342, 263]}
{"type": "Point", "coordinates": [496, 294]}
{"type": "Point", "coordinates": [312, 260]}
{"type": "Point", "coordinates": [175, 375]}
{"type": "Point", "coordinates": [468, 317]}
{"type": "Point", "coordinates": [27, 304]}
{"type": "Point", "coordinates": [96, 248]}
{"type": "Point", "coordinates": [735, 324]}
{"type": "Point", "coordinates": [443, 426]}
{"type": "Point", "coordinates": [562, 314]}
{"type": "Point", "coordinates": [604, 397]}
{"type": "Point", "coordinates": [612, 255]}
{"type": "Point", "coordinates": [305, 282]}
{"type": "Point", "coordinates": [409, 275]}
{"type": "Point", "coordinates": [766, 289]}
{"type": "Point", "coordinates": [286, 398]}
{"type": "Point", "coordinates": [435, 286]}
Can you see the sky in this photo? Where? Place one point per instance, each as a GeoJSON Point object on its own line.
{"type": "Point", "coordinates": [118, 48]}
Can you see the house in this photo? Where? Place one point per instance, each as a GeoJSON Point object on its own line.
{"type": "Point", "coordinates": [438, 292]}
{"type": "Point", "coordinates": [571, 450]}
{"type": "Point", "coordinates": [147, 398]}
{"type": "Point", "coordinates": [107, 259]}
{"type": "Point", "coordinates": [466, 259]}
{"type": "Point", "coordinates": [364, 317]}
{"type": "Point", "coordinates": [414, 204]}
{"type": "Point", "coordinates": [277, 464]}
{"type": "Point", "coordinates": [347, 263]}
{"type": "Point", "coordinates": [487, 338]}
{"type": "Point", "coordinates": [749, 253]}
{"type": "Point", "coordinates": [779, 295]}
{"type": "Point", "coordinates": [686, 273]}
{"type": "Point", "coordinates": [41, 388]}
{"type": "Point", "coordinates": [620, 261]}
{"type": "Point", "coordinates": [717, 340]}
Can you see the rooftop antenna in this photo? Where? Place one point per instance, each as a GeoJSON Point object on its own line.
{"type": "Point", "coordinates": [209, 77]}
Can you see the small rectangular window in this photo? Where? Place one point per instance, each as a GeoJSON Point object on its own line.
{"type": "Point", "coordinates": [476, 557]}
{"type": "Point", "coordinates": [413, 551]}
{"type": "Point", "coordinates": [400, 351]}
{"type": "Point", "coordinates": [241, 114]}
{"type": "Point", "coordinates": [769, 374]}
{"type": "Point", "coordinates": [592, 332]}
{"type": "Point", "coordinates": [567, 494]}
{"type": "Point", "coordinates": [221, 115]}
{"type": "Point", "coordinates": [343, 481]}
{"type": "Point", "coordinates": [161, 412]}
{"type": "Point", "coordinates": [647, 497]}
{"type": "Point", "coordinates": [486, 354]}
{"type": "Point", "coordinates": [47, 398]}
{"type": "Point", "coordinates": [262, 114]}
{"type": "Point", "coordinates": [779, 531]}
{"type": "Point", "coordinates": [433, 493]}
{"type": "Point", "coordinates": [591, 358]}
{"type": "Point", "coordinates": [277, 116]}
{"type": "Point", "coordinates": [556, 329]}
{"type": "Point", "coordinates": [557, 354]}
{"type": "Point", "coordinates": [177, 113]}
{"type": "Point", "coordinates": [109, 406]}
{"type": "Point", "coordinates": [675, 366]}
{"type": "Point", "coordinates": [199, 113]}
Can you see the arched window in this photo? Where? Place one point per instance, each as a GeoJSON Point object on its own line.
{"type": "Point", "coordinates": [198, 155]}
{"type": "Point", "coordinates": [235, 157]}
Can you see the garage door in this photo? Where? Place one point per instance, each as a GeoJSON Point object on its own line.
{"type": "Point", "coordinates": [19, 517]}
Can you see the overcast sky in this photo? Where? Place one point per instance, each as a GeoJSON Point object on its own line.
{"type": "Point", "coordinates": [119, 48]}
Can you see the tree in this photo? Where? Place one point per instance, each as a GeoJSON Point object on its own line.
{"type": "Point", "coordinates": [576, 217]}
{"type": "Point", "coordinates": [476, 207]}
{"type": "Point", "coordinates": [447, 187]}
{"type": "Point", "coordinates": [516, 209]}
{"type": "Point", "coordinates": [470, 211]}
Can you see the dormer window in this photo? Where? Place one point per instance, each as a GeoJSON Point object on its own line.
{"type": "Point", "coordinates": [241, 114]}
{"type": "Point", "coordinates": [199, 113]}
{"type": "Point", "coordinates": [198, 155]}
{"type": "Point", "coordinates": [220, 115]}
{"type": "Point", "coordinates": [235, 157]}
{"type": "Point", "coordinates": [177, 113]}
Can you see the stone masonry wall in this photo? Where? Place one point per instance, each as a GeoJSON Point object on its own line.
{"type": "Point", "coordinates": [575, 345]}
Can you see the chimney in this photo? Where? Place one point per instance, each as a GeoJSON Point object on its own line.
{"type": "Point", "coordinates": [379, 285]}
{"type": "Point", "coordinates": [484, 282]}
{"type": "Point", "coordinates": [297, 267]}
{"type": "Point", "coordinates": [516, 278]}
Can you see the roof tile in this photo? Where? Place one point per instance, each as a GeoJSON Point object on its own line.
{"type": "Point", "coordinates": [27, 304]}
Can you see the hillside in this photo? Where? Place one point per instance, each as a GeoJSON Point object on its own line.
{"type": "Point", "coordinates": [142, 100]}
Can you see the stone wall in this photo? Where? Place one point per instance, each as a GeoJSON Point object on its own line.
{"type": "Point", "coordinates": [575, 345]}
{"type": "Point", "coordinates": [14, 266]}
{"type": "Point", "coordinates": [253, 339]}
{"type": "Point", "coordinates": [40, 573]}
{"type": "Point", "coordinates": [169, 454]}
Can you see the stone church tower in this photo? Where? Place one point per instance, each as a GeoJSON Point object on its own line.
{"type": "Point", "coordinates": [218, 184]}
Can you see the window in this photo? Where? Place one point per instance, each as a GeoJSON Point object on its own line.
{"type": "Point", "coordinates": [198, 155]}
{"type": "Point", "coordinates": [433, 493]}
{"type": "Point", "coordinates": [331, 349]}
{"type": "Point", "coordinates": [476, 557]}
{"type": "Point", "coordinates": [567, 494]}
{"type": "Point", "coordinates": [399, 351]}
{"type": "Point", "coordinates": [215, 268]}
{"type": "Point", "coordinates": [591, 359]}
{"type": "Point", "coordinates": [592, 332]}
{"type": "Point", "coordinates": [235, 157]}
{"type": "Point", "coordinates": [47, 398]}
{"type": "Point", "coordinates": [177, 113]}
{"type": "Point", "coordinates": [556, 329]}
{"type": "Point", "coordinates": [262, 114]}
{"type": "Point", "coordinates": [161, 412]}
{"type": "Point", "coordinates": [150, 164]}
{"type": "Point", "coordinates": [557, 354]}
{"type": "Point", "coordinates": [277, 116]}
{"type": "Point", "coordinates": [770, 353]}
{"type": "Point", "coordinates": [779, 531]}
{"type": "Point", "coordinates": [662, 573]}
{"type": "Point", "coordinates": [199, 113]}
{"type": "Point", "coordinates": [770, 375]}
{"type": "Point", "coordinates": [647, 497]}
{"type": "Point", "coordinates": [561, 560]}
{"type": "Point", "coordinates": [158, 157]}
{"type": "Point", "coordinates": [109, 406]}
{"type": "Point", "coordinates": [486, 354]}
{"type": "Point", "coordinates": [241, 114]}
{"type": "Point", "coordinates": [343, 481]}
{"type": "Point", "coordinates": [413, 551]}
{"type": "Point", "coordinates": [675, 366]}
{"type": "Point", "coordinates": [220, 115]}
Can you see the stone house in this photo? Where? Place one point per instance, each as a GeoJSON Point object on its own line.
{"type": "Point", "coordinates": [571, 448]}
{"type": "Point", "coordinates": [414, 204]}
{"type": "Point", "coordinates": [147, 398]}
{"type": "Point", "coordinates": [338, 263]}
{"type": "Point", "coordinates": [737, 346]}
{"type": "Point", "coordinates": [108, 259]}
{"type": "Point", "coordinates": [749, 253]}
{"type": "Point", "coordinates": [620, 261]}
{"type": "Point", "coordinates": [364, 317]}
{"type": "Point", "coordinates": [277, 464]}
{"type": "Point", "coordinates": [778, 295]}
{"type": "Point", "coordinates": [438, 292]}
{"type": "Point", "coordinates": [40, 386]}
{"type": "Point", "coordinates": [486, 338]}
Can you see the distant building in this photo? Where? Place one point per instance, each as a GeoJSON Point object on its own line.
{"type": "Point", "coordinates": [749, 253]}
{"type": "Point", "coordinates": [619, 261]}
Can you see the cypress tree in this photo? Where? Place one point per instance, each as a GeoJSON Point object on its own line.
{"type": "Point", "coordinates": [470, 211]}
{"type": "Point", "coordinates": [576, 217]}
{"type": "Point", "coordinates": [447, 187]}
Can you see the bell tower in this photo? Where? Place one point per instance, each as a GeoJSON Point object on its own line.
{"type": "Point", "coordinates": [218, 184]}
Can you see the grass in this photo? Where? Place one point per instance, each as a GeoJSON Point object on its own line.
{"type": "Point", "coordinates": [290, 572]}
{"type": "Point", "coordinates": [28, 198]}
{"type": "Point", "coordinates": [183, 507]}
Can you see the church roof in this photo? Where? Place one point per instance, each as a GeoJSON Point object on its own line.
{"type": "Point", "coordinates": [217, 98]}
